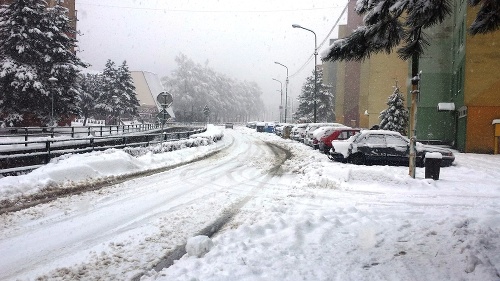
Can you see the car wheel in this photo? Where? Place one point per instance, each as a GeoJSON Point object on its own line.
{"type": "Point", "coordinates": [358, 159]}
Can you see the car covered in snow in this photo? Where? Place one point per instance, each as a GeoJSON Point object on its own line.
{"type": "Point", "coordinates": [337, 133]}
{"type": "Point", "coordinates": [309, 138]}
{"type": "Point", "coordinates": [383, 147]}
{"type": "Point", "coordinates": [298, 132]}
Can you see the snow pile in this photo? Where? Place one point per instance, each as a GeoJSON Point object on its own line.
{"type": "Point", "coordinates": [71, 169]}
{"type": "Point", "coordinates": [198, 246]}
{"type": "Point", "coordinates": [212, 132]}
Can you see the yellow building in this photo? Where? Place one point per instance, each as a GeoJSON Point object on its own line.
{"type": "Point", "coordinates": [481, 86]}
{"type": "Point", "coordinates": [379, 75]}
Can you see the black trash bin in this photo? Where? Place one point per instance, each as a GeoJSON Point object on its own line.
{"type": "Point", "coordinates": [432, 165]}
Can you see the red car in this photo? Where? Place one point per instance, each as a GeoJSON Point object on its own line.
{"type": "Point", "coordinates": [325, 143]}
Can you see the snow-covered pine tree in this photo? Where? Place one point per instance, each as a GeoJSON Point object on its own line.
{"type": "Point", "coordinates": [60, 61]}
{"type": "Point", "coordinates": [324, 105]}
{"type": "Point", "coordinates": [395, 117]}
{"type": "Point", "coordinates": [305, 110]}
{"type": "Point", "coordinates": [23, 91]}
{"type": "Point", "coordinates": [106, 105]}
{"type": "Point", "coordinates": [34, 46]}
{"type": "Point", "coordinates": [487, 18]}
{"type": "Point", "coordinates": [325, 108]}
{"type": "Point", "coordinates": [90, 88]}
{"type": "Point", "coordinates": [128, 97]}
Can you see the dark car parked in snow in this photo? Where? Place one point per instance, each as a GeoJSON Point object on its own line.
{"type": "Point", "coordinates": [383, 147]}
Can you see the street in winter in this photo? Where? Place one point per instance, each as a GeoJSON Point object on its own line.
{"type": "Point", "coordinates": [221, 140]}
{"type": "Point", "coordinates": [253, 206]}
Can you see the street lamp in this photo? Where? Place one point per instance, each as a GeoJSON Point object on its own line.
{"type": "Point", "coordinates": [115, 100]}
{"type": "Point", "coordinates": [281, 98]}
{"type": "Point", "coordinates": [315, 68]}
{"type": "Point", "coordinates": [286, 87]}
{"type": "Point", "coordinates": [52, 81]}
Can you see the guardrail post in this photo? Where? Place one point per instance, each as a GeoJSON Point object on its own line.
{"type": "Point", "coordinates": [110, 132]}
{"type": "Point", "coordinates": [72, 132]}
{"type": "Point", "coordinates": [26, 136]}
{"type": "Point", "coordinates": [88, 131]}
{"type": "Point", "coordinates": [101, 131]}
{"type": "Point", "coordinates": [178, 136]}
{"type": "Point", "coordinates": [52, 132]}
{"type": "Point", "coordinates": [92, 143]}
{"type": "Point", "coordinates": [47, 147]}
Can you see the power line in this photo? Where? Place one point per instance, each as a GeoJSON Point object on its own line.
{"type": "Point", "coordinates": [321, 44]}
{"type": "Point", "coordinates": [205, 11]}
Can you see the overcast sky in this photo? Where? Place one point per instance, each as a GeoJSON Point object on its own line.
{"type": "Point", "coordinates": [241, 39]}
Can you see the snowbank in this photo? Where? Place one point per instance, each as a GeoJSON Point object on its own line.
{"type": "Point", "coordinates": [71, 169]}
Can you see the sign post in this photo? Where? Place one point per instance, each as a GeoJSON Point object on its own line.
{"type": "Point", "coordinates": [165, 100]}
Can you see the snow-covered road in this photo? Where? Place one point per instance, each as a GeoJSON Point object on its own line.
{"type": "Point", "coordinates": [146, 216]}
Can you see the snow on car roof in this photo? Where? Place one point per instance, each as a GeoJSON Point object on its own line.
{"type": "Point", "coordinates": [387, 132]}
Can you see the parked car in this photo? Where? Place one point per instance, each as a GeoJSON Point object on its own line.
{"type": "Point", "coordinates": [260, 127]}
{"type": "Point", "coordinates": [309, 138]}
{"type": "Point", "coordinates": [338, 133]}
{"type": "Point", "coordinates": [269, 127]}
{"type": "Point", "coordinates": [383, 147]}
{"type": "Point", "coordinates": [278, 129]}
{"type": "Point", "coordinates": [229, 126]}
{"type": "Point", "coordinates": [319, 133]}
{"type": "Point", "coordinates": [298, 132]}
{"type": "Point", "coordinates": [251, 124]}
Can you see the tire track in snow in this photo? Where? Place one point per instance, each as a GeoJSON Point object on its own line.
{"type": "Point", "coordinates": [229, 212]}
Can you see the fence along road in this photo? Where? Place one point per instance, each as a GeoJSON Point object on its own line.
{"type": "Point", "coordinates": [18, 155]}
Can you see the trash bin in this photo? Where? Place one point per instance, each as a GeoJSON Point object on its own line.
{"type": "Point", "coordinates": [432, 165]}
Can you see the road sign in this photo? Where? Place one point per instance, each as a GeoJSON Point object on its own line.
{"type": "Point", "coordinates": [206, 110]}
{"type": "Point", "coordinates": [165, 99]}
{"type": "Point", "coordinates": [163, 116]}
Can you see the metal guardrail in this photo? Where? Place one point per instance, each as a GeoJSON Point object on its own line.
{"type": "Point", "coordinates": [76, 131]}
{"type": "Point", "coordinates": [28, 155]}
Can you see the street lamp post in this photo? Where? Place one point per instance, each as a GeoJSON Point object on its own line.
{"type": "Point", "coordinates": [286, 87]}
{"type": "Point", "coordinates": [315, 68]}
{"type": "Point", "coordinates": [281, 97]}
{"type": "Point", "coordinates": [52, 81]}
{"type": "Point", "coordinates": [115, 100]}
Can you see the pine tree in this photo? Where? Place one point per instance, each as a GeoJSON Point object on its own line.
{"type": "Point", "coordinates": [90, 85]}
{"type": "Point", "coordinates": [488, 16]}
{"type": "Point", "coordinates": [34, 47]}
{"type": "Point", "coordinates": [324, 105]}
{"type": "Point", "coordinates": [117, 98]}
{"type": "Point", "coordinates": [395, 117]}
{"type": "Point", "coordinates": [60, 61]}
{"type": "Point", "coordinates": [128, 97]}
{"type": "Point", "coordinates": [21, 87]}
{"type": "Point", "coordinates": [106, 104]}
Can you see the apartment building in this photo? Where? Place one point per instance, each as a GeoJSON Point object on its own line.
{"type": "Point", "coordinates": [459, 88]}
